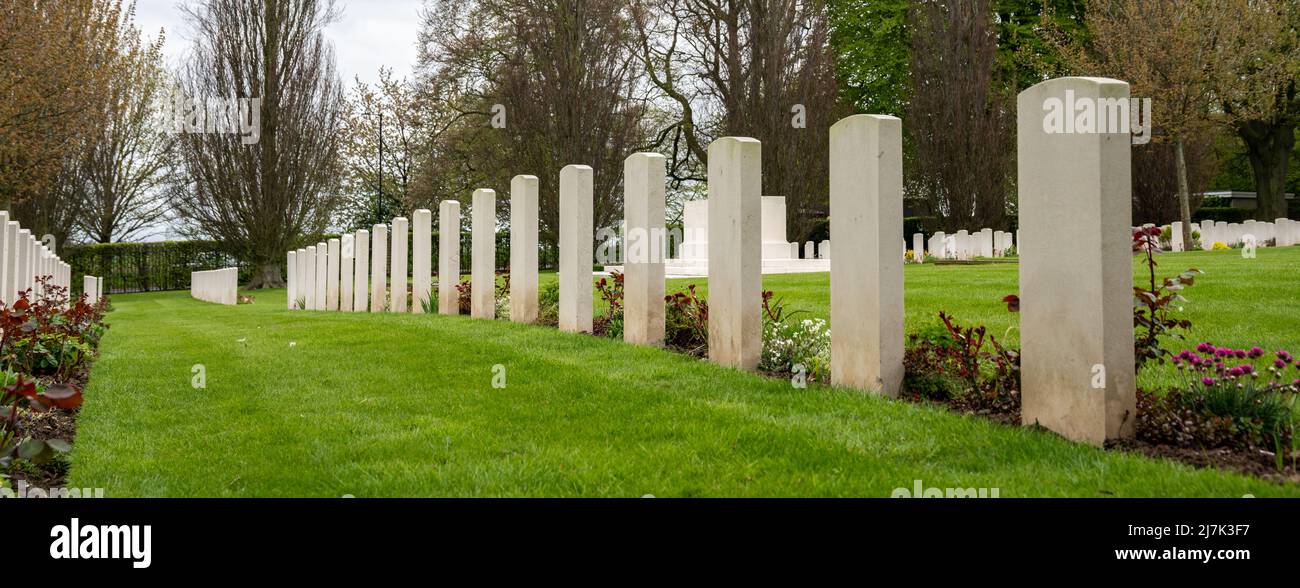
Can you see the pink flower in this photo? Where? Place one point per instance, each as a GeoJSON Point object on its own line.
{"type": "Point", "coordinates": [1210, 381]}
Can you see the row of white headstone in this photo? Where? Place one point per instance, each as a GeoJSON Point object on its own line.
{"type": "Point", "coordinates": [353, 274]}
{"type": "Point", "coordinates": [963, 245]}
{"type": "Point", "coordinates": [1076, 318]}
{"type": "Point", "coordinates": [812, 251]}
{"type": "Point", "coordinates": [1281, 233]}
{"type": "Point", "coordinates": [23, 259]}
{"type": "Point", "coordinates": [92, 287]}
{"type": "Point", "coordinates": [220, 286]}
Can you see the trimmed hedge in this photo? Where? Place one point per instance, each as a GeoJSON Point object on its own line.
{"type": "Point", "coordinates": [148, 267]}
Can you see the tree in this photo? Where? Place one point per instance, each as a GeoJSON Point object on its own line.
{"type": "Point", "coordinates": [120, 177]}
{"type": "Point", "coordinates": [55, 64]}
{"type": "Point", "coordinates": [559, 78]}
{"type": "Point", "coordinates": [873, 49]}
{"type": "Point", "coordinates": [259, 192]}
{"type": "Point", "coordinates": [384, 146]}
{"type": "Point", "coordinates": [960, 116]}
{"type": "Point", "coordinates": [757, 68]}
{"type": "Point", "coordinates": [1258, 63]}
{"type": "Point", "coordinates": [1165, 50]}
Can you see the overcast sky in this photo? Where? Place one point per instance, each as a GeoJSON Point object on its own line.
{"type": "Point", "coordinates": [371, 33]}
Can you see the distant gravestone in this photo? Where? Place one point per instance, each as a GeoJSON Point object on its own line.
{"type": "Point", "coordinates": [448, 257]}
{"type": "Point", "coordinates": [332, 269]}
{"type": "Point", "coordinates": [292, 284]}
{"type": "Point", "coordinates": [421, 260]}
{"type": "Point", "coordinates": [576, 255]}
{"type": "Point", "coordinates": [361, 277]}
{"type": "Point", "coordinates": [523, 249]}
{"type": "Point", "coordinates": [379, 268]}
{"type": "Point", "coordinates": [483, 255]}
{"type": "Point", "coordinates": [347, 263]}
{"type": "Point", "coordinates": [401, 242]}
{"type": "Point", "coordinates": [322, 276]}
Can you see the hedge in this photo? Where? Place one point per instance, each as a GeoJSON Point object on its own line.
{"type": "Point", "coordinates": [148, 267]}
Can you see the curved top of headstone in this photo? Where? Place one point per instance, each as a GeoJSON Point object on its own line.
{"type": "Point", "coordinates": [645, 155]}
{"type": "Point", "coordinates": [864, 118]}
{"type": "Point", "coordinates": [1074, 81]}
{"type": "Point", "coordinates": [524, 177]}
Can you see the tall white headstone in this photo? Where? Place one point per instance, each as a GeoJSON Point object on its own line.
{"type": "Point", "coordinates": [483, 255]}
{"type": "Point", "coordinates": [448, 257]}
{"type": "Point", "coordinates": [361, 275]}
{"type": "Point", "coordinates": [523, 249]}
{"type": "Point", "coordinates": [422, 262]}
{"type": "Point", "coordinates": [576, 256]}
{"type": "Point", "coordinates": [866, 170]}
{"type": "Point", "coordinates": [401, 253]}
{"type": "Point", "coordinates": [379, 268]}
{"type": "Point", "coordinates": [332, 269]}
{"type": "Point", "coordinates": [1076, 277]}
{"type": "Point", "coordinates": [735, 252]}
{"type": "Point", "coordinates": [347, 265]}
{"type": "Point", "coordinates": [643, 281]}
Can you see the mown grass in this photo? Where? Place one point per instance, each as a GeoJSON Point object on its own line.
{"type": "Point", "coordinates": [331, 404]}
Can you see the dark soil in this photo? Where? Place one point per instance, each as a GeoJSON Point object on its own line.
{"type": "Point", "coordinates": [55, 423]}
{"type": "Point", "coordinates": [1252, 462]}
{"type": "Point", "coordinates": [1259, 463]}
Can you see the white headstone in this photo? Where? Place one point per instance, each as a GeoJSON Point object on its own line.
{"type": "Point", "coordinates": [735, 252]}
{"type": "Point", "coordinates": [1076, 277]}
{"type": "Point", "coordinates": [523, 249]}
{"type": "Point", "coordinates": [866, 193]}
{"type": "Point", "coordinates": [361, 275]}
{"type": "Point", "coordinates": [643, 282]}
{"type": "Point", "coordinates": [422, 261]}
{"type": "Point", "coordinates": [576, 256]}
{"type": "Point", "coordinates": [448, 257]}
{"type": "Point", "coordinates": [401, 255]}
{"type": "Point", "coordinates": [483, 254]}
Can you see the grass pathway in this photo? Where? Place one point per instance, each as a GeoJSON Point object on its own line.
{"type": "Point", "coordinates": [328, 404]}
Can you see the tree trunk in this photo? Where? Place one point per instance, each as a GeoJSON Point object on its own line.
{"type": "Point", "coordinates": [1269, 148]}
{"type": "Point", "coordinates": [1184, 195]}
{"type": "Point", "coordinates": [266, 276]}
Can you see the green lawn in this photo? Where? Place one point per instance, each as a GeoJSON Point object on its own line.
{"type": "Point", "coordinates": [328, 404]}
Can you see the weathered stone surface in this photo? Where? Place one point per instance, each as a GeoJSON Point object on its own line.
{"type": "Point", "coordinates": [523, 249]}
{"type": "Point", "coordinates": [448, 257]}
{"type": "Point", "coordinates": [735, 252]}
{"type": "Point", "coordinates": [643, 282]}
{"type": "Point", "coordinates": [361, 275]}
{"type": "Point", "coordinates": [401, 254]}
{"type": "Point", "coordinates": [332, 269]}
{"type": "Point", "coordinates": [422, 261]}
{"type": "Point", "coordinates": [866, 193]}
{"type": "Point", "coordinates": [347, 264]}
{"type": "Point", "coordinates": [576, 256]}
{"type": "Point", "coordinates": [379, 268]}
{"type": "Point", "coordinates": [483, 255]}
{"type": "Point", "coordinates": [1076, 278]}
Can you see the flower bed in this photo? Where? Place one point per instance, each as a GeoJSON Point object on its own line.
{"type": "Point", "coordinates": [46, 348]}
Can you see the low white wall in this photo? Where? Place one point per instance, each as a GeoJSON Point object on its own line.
{"type": "Point", "coordinates": [217, 286]}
